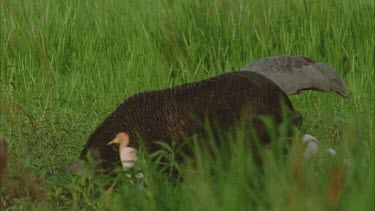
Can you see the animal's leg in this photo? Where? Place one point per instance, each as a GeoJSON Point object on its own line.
{"type": "Point", "coordinates": [312, 146]}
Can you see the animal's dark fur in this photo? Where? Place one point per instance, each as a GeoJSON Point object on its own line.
{"type": "Point", "coordinates": [172, 114]}
{"type": "Point", "coordinates": [3, 156]}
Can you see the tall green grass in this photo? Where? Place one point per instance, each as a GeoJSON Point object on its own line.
{"type": "Point", "coordinates": [65, 65]}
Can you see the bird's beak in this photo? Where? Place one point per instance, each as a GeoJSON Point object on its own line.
{"type": "Point", "coordinates": [114, 141]}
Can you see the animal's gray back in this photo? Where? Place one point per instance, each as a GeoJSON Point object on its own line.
{"type": "Point", "coordinates": [294, 74]}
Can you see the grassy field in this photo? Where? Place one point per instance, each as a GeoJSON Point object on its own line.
{"type": "Point", "coordinates": [65, 65]}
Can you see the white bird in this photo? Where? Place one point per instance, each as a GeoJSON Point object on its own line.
{"type": "Point", "coordinates": [127, 154]}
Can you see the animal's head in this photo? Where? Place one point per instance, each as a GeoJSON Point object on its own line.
{"type": "Point", "coordinates": [87, 165]}
{"type": "Point", "coordinates": [95, 156]}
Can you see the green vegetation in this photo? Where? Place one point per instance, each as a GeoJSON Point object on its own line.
{"type": "Point", "coordinates": [65, 65]}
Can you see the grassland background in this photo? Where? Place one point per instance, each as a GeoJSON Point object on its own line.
{"type": "Point", "coordinates": [65, 65]}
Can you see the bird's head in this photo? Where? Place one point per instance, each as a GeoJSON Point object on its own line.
{"type": "Point", "coordinates": [121, 138]}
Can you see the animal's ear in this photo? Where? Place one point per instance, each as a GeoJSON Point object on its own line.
{"type": "Point", "coordinates": [76, 168]}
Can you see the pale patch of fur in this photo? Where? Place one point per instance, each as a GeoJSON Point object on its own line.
{"type": "Point", "coordinates": [312, 146]}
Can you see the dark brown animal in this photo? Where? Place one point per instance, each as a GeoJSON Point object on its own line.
{"type": "Point", "coordinates": [3, 156]}
{"type": "Point", "coordinates": [16, 180]}
{"type": "Point", "coordinates": [224, 101]}
{"type": "Point", "coordinates": [178, 112]}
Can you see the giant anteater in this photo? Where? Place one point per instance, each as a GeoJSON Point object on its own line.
{"type": "Point", "coordinates": [225, 101]}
